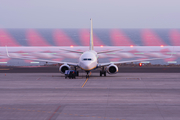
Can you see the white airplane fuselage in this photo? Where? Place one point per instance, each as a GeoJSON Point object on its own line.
{"type": "Point", "coordinates": [88, 60]}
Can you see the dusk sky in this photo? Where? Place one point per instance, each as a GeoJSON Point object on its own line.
{"type": "Point", "coordinates": [77, 13]}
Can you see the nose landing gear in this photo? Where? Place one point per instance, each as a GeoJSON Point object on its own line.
{"type": "Point", "coordinates": [87, 76]}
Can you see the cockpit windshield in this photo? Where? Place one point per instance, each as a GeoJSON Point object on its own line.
{"type": "Point", "coordinates": [88, 59]}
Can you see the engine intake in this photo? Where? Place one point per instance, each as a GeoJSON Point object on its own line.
{"type": "Point", "coordinates": [112, 69]}
{"type": "Point", "coordinates": [64, 67]}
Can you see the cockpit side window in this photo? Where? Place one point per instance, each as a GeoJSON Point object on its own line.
{"type": "Point", "coordinates": [85, 59]}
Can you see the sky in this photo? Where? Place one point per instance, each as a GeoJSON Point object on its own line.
{"type": "Point", "coordinates": [77, 13]}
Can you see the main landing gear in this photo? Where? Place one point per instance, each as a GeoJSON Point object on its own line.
{"type": "Point", "coordinates": [103, 72]}
{"type": "Point", "coordinates": [77, 72]}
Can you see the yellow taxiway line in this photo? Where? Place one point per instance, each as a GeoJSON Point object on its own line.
{"type": "Point", "coordinates": [85, 81]}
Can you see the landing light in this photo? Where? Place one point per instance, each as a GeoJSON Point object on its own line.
{"type": "Point", "coordinates": [131, 46]}
{"type": "Point", "coordinates": [162, 45]}
{"type": "Point", "coordinates": [140, 64]}
{"type": "Point", "coordinates": [71, 46]}
{"type": "Point", "coordinates": [101, 45]}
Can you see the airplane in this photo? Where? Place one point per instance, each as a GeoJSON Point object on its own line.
{"type": "Point", "coordinates": [88, 60]}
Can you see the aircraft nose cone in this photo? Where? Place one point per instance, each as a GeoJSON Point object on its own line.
{"type": "Point", "coordinates": [87, 66]}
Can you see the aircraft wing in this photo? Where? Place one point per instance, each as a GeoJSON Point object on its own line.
{"type": "Point", "coordinates": [41, 60]}
{"type": "Point", "coordinates": [128, 61]}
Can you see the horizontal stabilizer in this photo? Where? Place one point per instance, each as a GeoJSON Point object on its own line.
{"type": "Point", "coordinates": [72, 51]}
{"type": "Point", "coordinates": [108, 51]}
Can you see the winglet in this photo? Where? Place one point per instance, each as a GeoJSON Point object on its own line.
{"type": "Point", "coordinates": [7, 51]}
{"type": "Point", "coordinates": [91, 46]}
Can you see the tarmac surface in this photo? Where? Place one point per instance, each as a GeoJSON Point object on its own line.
{"type": "Point", "coordinates": [123, 96]}
{"type": "Point", "coordinates": [122, 69]}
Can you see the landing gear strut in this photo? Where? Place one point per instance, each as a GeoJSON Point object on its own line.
{"type": "Point", "coordinates": [77, 72]}
{"type": "Point", "coordinates": [87, 76]}
{"type": "Point", "coordinates": [103, 72]}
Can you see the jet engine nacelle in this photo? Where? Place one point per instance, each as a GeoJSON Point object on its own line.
{"type": "Point", "coordinates": [64, 67]}
{"type": "Point", "coordinates": [112, 69]}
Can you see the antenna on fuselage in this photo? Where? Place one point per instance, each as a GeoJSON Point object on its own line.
{"type": "Point", "coordinates": [91, 46]}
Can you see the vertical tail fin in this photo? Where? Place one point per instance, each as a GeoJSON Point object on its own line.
{"type": "Point", "coordinates": [91, 47]}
